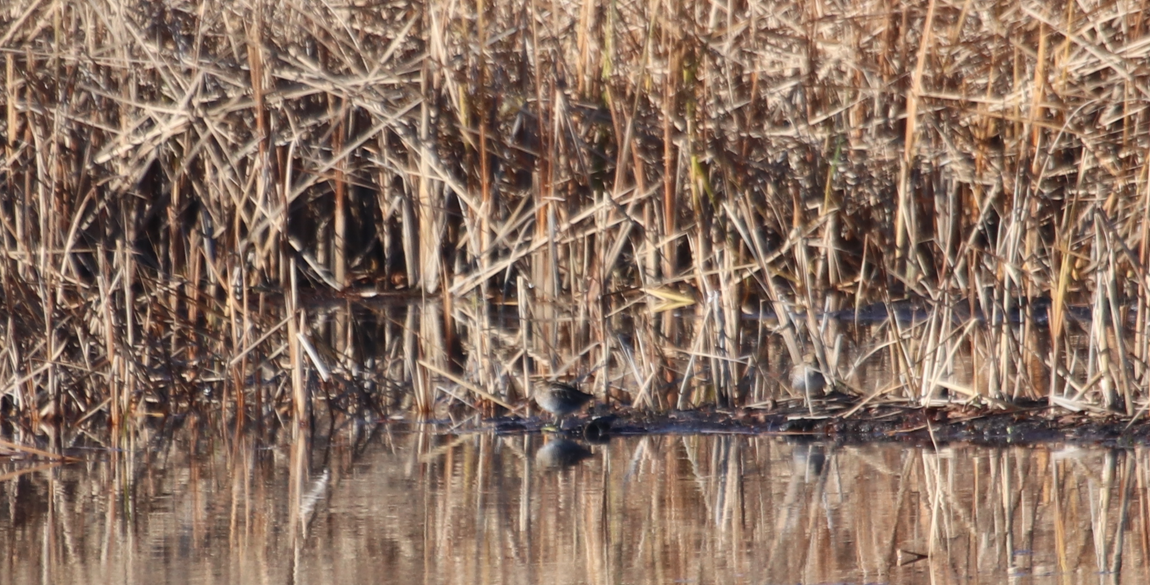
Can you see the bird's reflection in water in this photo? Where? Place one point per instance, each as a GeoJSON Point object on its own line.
{"type": "Point", "coordinates": [809, 461]}
{"type": "Point", "coordinates": [560, 453]}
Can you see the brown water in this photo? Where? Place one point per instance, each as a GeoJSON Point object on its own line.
{"type": "Point", "coordinates": [400, 506]}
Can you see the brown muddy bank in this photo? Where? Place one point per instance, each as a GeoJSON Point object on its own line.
{"type": "Point", "coordinates": [1034, 425]}
{"type": "Point", "coordinates": [1031, 424]}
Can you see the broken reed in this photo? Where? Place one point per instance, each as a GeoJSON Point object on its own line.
{"type": "Point", "coordinates": [175, 176]}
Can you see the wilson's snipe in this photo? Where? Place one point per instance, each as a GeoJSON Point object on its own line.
{"type": "Point", "coordinates": [560, 399]}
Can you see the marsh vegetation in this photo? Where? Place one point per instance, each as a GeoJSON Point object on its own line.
{"type": "Point", "coordinates": [255, 208]}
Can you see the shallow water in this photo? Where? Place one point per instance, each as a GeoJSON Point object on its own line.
{"type": "Point", "coordinates": [404, 506]}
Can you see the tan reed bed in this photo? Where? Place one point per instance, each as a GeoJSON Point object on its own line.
{"type": "Point", "coordinates": [181, 180]}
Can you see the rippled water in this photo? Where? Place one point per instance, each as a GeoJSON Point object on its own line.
{"type": "Point", "coordinates": [391, 505]}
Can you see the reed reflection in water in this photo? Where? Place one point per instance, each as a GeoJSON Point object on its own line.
{"type": "Point", "coordinates": [421, 507]}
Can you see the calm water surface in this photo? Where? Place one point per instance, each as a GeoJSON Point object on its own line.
{"type": "Point", "coordinates": [419, 506]}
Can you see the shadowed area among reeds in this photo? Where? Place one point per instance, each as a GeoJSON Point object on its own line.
{"type": "Point", "coordinates": [601, 190]}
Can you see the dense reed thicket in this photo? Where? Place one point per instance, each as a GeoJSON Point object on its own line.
{"type": "Point", "coordinates": [171, 169]}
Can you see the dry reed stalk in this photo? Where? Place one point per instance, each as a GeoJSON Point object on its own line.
{"type": "Point", "coordinates": [28, 451]}
{"type": "Point", "coordinates": [299, 391]}
{"type": "Point", "coordinates": [339, 245]}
